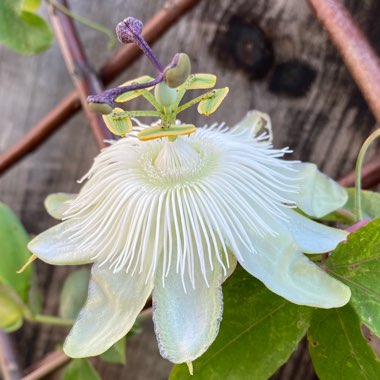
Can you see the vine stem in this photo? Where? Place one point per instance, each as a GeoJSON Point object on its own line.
{"type": "Point", "coordinates": [354, 48]}
{"type": "Point", "coordinates": [8, 361]}
{"type": "Point", "coordinates": [154, 28]}
{"type": "Point", "coordinates": [57, 359]}
{"type": "Point", "coordinates": [51, 320]}
{"type": "Point", "coordinates": [47, 365]}
{"type": "Point", "coordinates": [85, 21]}
{"type": "Point", "coordinates": [81, 72]}
{"type": "Point", "coordinates": [358, 172]}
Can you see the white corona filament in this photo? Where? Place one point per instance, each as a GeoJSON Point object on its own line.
{"type": "Point", "coordinates": [181, 204]}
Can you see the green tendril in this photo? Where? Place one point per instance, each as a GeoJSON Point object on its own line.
{"type": "Point", "coordinates": [85, 21]}
{"type": "Point", "coordinates": [358, 172]}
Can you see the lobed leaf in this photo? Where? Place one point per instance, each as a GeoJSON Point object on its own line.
{"type": "Point", "coordinates": [370, 207]}
{"type": "Point", "coordinates": [74, 293]}
{"type": "Point", "coordinates": [357, 263]}
{"type": "Point", "coordinates": [370, 203]}
{"type": "Point", "coordinates": [11, 310]}
{"type": "Point", "coordinates": [337, 347]}
{"type": "Point", "coordinates": [80, 369]}
{"type": "Point", "coordinates": [116, 353]}
{"type": "Point", "coordinates": [21, 29]}
{"type": "Point", "coordinates": [14, 253]}
{"type": "Point", "coordinates": [30, 5]}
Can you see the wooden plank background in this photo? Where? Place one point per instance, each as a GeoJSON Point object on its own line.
{"type": "Point", "coordinates": [315, 107]}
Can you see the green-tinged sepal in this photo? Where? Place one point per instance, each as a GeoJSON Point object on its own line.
{"type": "Point", "coordinates": [165, 95]}
{"type": "Point", "coordinates": [178, 74]}
{"type": "Point", "coordinates": [129, 95]}
{"type": "Point", "coordinates": [200, 81]}
{"type": "Point", "coordinates": [56, 204]}
{"type": "Point", "coordinates": [119, 126]}
{"type": "Point", "coordinates": [158, 131]}
{"type": "Point", "coordinates": [211, 104]}
{"type": "Point", "coordinates": [103, 108]}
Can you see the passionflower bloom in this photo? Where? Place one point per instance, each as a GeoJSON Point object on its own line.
{"type": "Point", "coordinates": [169, 217]}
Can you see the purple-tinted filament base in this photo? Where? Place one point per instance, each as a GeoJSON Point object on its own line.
{"type": "Point", "coordinates": [110, 95]}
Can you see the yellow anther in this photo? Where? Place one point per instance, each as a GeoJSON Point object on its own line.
{"type": "Point", "coordinates": [119, 127]}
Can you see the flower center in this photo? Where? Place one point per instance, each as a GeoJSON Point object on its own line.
{"type": "Point", "coordinates": [179, 163]}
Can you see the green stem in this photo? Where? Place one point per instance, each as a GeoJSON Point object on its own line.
{"type": "Point", "coordinates": [151, 99]}
{"type": "Point", "coordinates": [196, 100]}
{"type": "Point", "coordinates": [346, 214]}
{"type": "Point", "coordinates": [182, 90]}
{"type": "Point", "coordinates": [51, 320]}
{"type": "Point", "coordinates": [87, 22]}
{"type": "Point", "coordinates": [358, 172]}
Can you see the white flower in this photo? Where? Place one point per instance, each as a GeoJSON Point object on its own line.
{"type": "Point", "coordinates": [171, 217]}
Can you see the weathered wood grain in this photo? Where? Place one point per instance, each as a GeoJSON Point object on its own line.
{"type": "Point", "coordinates": [325, 123]}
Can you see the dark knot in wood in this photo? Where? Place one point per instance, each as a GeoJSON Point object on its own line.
{"type": "Point", "coordinates": [292, 78]}
{"type": "Point", "coordinates": [242, 44]}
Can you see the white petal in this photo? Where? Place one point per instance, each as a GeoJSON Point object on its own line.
{"type": "Point", "coordinates": [56, 204]}
{"type": "Point", "coordinates": [231, 266]}
{"type": "Point", "coordinates": [318, 194]}
{"type": "Point", "coordinates": [54, 246]}
{"type": "Point", "coordinates": [313, 237]}
{"type": "Point", "coordinates": [114, 301]}
{"type": "Point", "coordinates": [186, 323]}
{"type": "Point", "coordinates": [254, 124]}
{"type": "Point", "coordinates": [280, 265]}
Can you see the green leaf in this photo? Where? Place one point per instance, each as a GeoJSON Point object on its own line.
{"type": "Point", "coordinates": [14, 253]}
{"type": "Point", "coordinates": [211, 104]}
{"type": "Point", "coordinates": [337, 347]}
{"type": "Point", "coordinates": [258, 333]}
{"type": "Point", "coordinates": [80, 369]}
{"type": "Point", "coordinates": [370, 203]}
{"type": "Point", "coordinates": [35, 299]}
{"type": "Point", "coordinates": [116, 353]}
{"type": "Point", "coordinates": [370, 207]}
{"type": "Point", "coordinates": [30, 5]}
{"type": "Point", "coordinates": [74, 293]}
{"type": "Point", "coordinates": [11, 309]}
{"type": "Point", "coordinates": [357, 263]}
{"type": "Point", "coordinates": [129, 95]}
{"type": "Point", "coordinates": [21, 30]}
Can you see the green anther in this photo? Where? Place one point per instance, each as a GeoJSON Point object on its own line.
{"type": "Point", "coordinates": [164, 94]}
{"type": "Point", "coordinates": [175, 76]}
{"type": "Point", "coordinates": [103, 108]}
